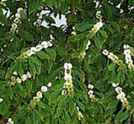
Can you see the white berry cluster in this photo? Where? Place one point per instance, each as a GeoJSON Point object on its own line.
{"type": "Point", "coordinates": [91, 92]}
{"type": "Point", "coordinates": [120, 95]}
{"type": "Point", "coordinates": [39, 47]}
{"type": "Point", "coordinates": [1, 100]}
{"type": "Point", "coordinates": [79, 114]}
{"type": "Point", "coordinates": [128, 58]}
{"type": "Point", "coordinates": [10, 121]}
{"type": "Point", "coordinates": [112, 57]}
{"type": "Point", "coordinates": [17, 21]}
{"type": "Point", "coordinates": [39, 95]}
{"type": "Point", "coordinates": [97, 27]}
{"type": "Point", "coordinates": [20, 79]}
{"type": "Point", "coordinates": [68, 85]}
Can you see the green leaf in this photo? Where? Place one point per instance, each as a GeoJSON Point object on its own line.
{"type": "Point", "coordinates": [34, 5]}
{"type": "Point", "coordinates": [2, 17]}
{"type": "Point", "coordinates": [100, 39]}
{"type": "Point", "coordinates": [131, 2]}
{"type": "Point", "coordinates": [34, 66]}
{"type": "Point", "coordinates": [51, 53]}
{"type": "Point", "coordinates": [27, 36]}
{"type": "Point", "coordinates": [28, 120]}
{"type": "Point", "coordinates": [121, 116]}
{"type": "Point", "coordinates": [85, 25]}
{"type": "Point", "coordinates": [43, 55]}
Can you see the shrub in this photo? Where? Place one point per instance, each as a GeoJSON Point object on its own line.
{"type": "Point", "coordinates": [80, 72]}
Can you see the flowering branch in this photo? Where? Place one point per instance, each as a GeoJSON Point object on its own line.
{"type": "Point", "coordinates": [34, 50]}
{"type": "Point", "coordinates": [128, 58]}
{"type": "Point", "coordinates": [16, 79]}
{"type": "Point", "coordinates": [39, 95]}
{"type": "Point", "coordinates": [113, 58]}
{"type": "Point", "coordinates": [68, 85]}
{"type": "Point", "coordinates": [17, 21]}
{"type": "Point", "coordinates": [91, 92]}
{"type": "Point", "coordinates": [120, 95]}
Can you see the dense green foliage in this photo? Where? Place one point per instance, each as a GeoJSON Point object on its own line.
{"type": "Point", "coordinates": [68, 44]}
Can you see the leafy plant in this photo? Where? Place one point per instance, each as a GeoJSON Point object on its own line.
{"type": "Point", "coordinates": [78, 73]}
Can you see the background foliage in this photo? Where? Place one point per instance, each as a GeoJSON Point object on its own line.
{"type": "Point", "coordinates": [47, 65]}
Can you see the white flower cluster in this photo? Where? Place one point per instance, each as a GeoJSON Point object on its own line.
{"type": "Point", "coordinates": [97, 27]}
{"type": "Point", "coordinates": [68, 85]}
{"type": "Point", "coordinates": [79, 114]}
{"type": "Point", "coordinates": [88, 44]}
{"type": "Point", "coordinates": [2, 2]}
{"type": "Point", "coordinates": [91, 92]}
{"type": "Point", "coordinates": [3, 48]}
{"type": "Point", "coordinates": [39, 47]}
{"type": "Point", "coordinates": [39, 95]}
{"type": "Point", "coordinates": [113, 58]}
{"type": "Point", "coordinates": [128, 58]}
{"type": "Point", "coordinates": [116, 60]}
{"type": "Point", "coordinates": [73, 32]}
{"type": "Point", "coordinates": [83, 53]}
{"type": "Point", "coordinates": [1, 100]}
{"type": "Point", "coordinates": [38, 23]}
{"type": "Point", "coordinates": [110, 55]}
{"type": "Point", "coordinates": [10, 121]}
{"type": "Point", "coordinates": [121, 95]}
{"type": "Point", "coordinates": [98, 15]}
{"type": "Point", "coordinates": [20, 79]}
{"type": "Point", "coordinates": [17, 21]}
{"type": "Point", "coordinates": [45, 88]}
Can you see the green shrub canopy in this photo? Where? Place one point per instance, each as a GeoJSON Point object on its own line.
{"type": "Point", "coordinates": [78, 71]}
